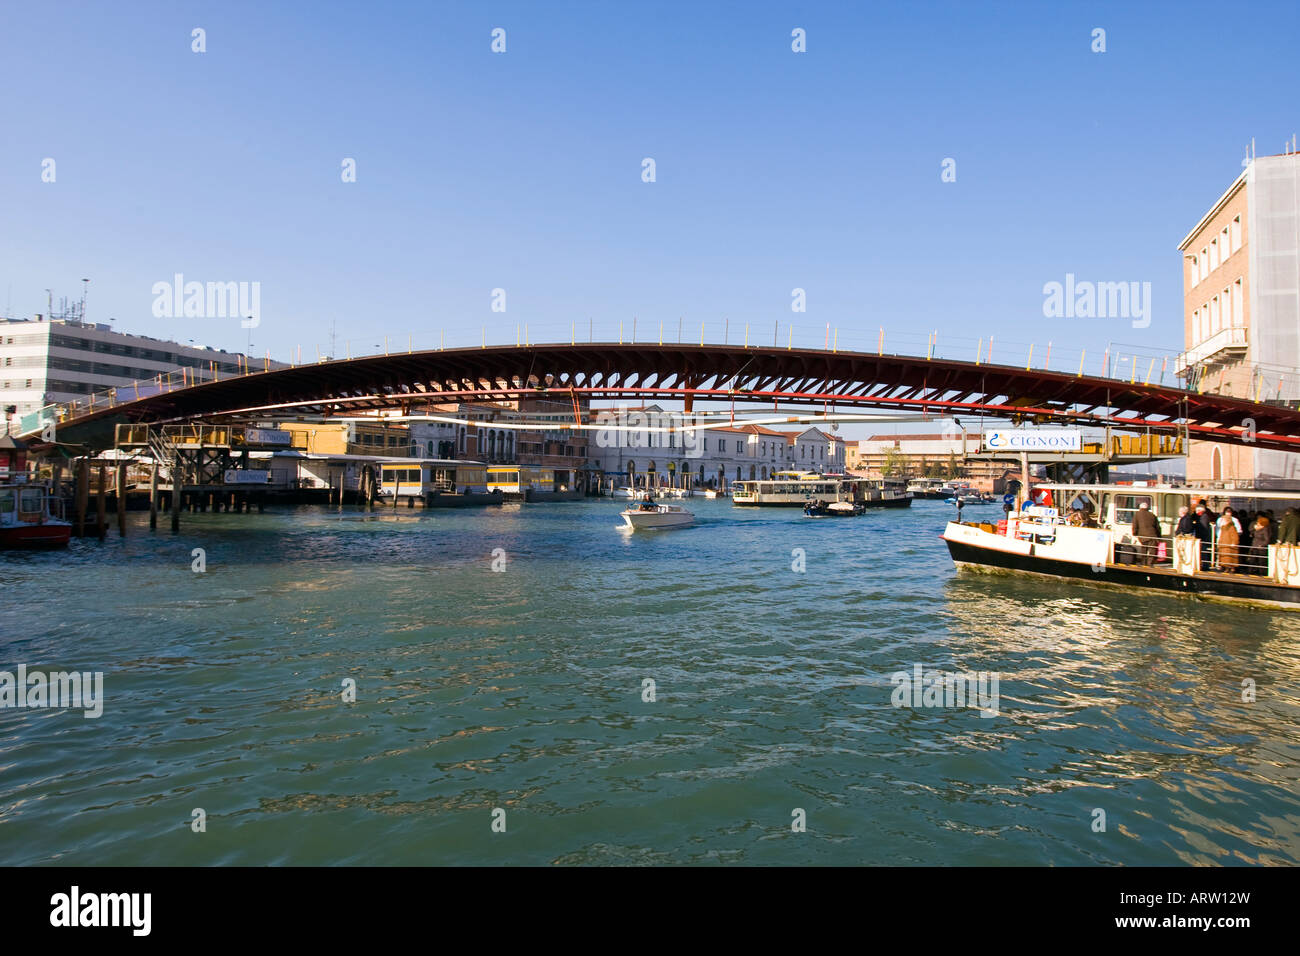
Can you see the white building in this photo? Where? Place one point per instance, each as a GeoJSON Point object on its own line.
{"type": "Point", "coordinates": [668, 448]}
{"type": "Point", "coordinates": [52, 361]}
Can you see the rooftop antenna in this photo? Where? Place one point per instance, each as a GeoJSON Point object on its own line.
{"type": "Point", "coordinates": [85, 287]}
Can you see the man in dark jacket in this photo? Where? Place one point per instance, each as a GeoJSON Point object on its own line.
{"type": "Point", "coordinates": [1205, 533]}
{"type": "Point", "coordinates": [1147, 530]}
{"type": "Point", "coordinates": [1186, 523]}
{"type": "Point", "coordinates": [1289, 533]}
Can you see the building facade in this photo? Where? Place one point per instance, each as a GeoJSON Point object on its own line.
{"type": "Point", "coordinates": [47, 361]}
{"type": "Point", "coordinates": [928, 456]}
{"type": "Point", "coordinates": [657, 448]}
{"type": "Point", "coordinates": [1241, 314]}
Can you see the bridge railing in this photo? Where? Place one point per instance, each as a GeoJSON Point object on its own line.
{"type": "Point", "coordinates": [1129, 364]}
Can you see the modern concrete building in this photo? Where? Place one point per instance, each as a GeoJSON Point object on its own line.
{"type": "Point", "coordinates": [1241, 314]}
{"type": "Point", "coordinates": [47, 361]}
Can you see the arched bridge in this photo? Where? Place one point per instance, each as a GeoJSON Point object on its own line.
{"type": "Point", "coordinates": [745, 376]}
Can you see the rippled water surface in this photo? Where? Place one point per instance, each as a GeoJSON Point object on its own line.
{"type": "Point", "coordinates": [523, 690]}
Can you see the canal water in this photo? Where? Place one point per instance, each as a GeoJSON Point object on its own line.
{"type": "Point", "coordinates": [1120, 733]}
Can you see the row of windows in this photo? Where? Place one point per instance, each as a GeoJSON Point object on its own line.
{"type": "Point", "coordinates": [94, 368]}
{"type": "Point", "coordinates": [1223, 311]}
{"type": "Point", "coordinates": [112, 348]}
{"type": "Point", "coordinates": [1217, 252]}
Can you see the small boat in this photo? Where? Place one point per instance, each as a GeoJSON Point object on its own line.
{"type": "Point", "coordinates": [715, 493]}
{"type": "Point", "coordinates": [26, 518]}
{"type": "Point", "coordinates": [623, 492]}
{"type": "Point", "coordinates": [646, 515]}
{"type": "Point", "coordinates": [834, 509]}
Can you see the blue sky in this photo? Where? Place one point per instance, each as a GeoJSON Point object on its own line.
{"type": "Point", "coordinates": [522, 170]}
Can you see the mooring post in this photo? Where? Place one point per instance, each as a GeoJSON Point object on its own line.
{"type": "Point", "coordinates": [121, 499]}
{"type": "Point", "coordinates": [176, 492]}
{"type": "Point", "coordinates": [153, 496]}
{"type": "Point", "coordinates": [83, 494]}
{"type": "Point", "coordinates": [101, 502]}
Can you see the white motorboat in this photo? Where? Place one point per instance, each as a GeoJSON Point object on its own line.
{"type": "Point", "coordinates": [715, 493]}
{"type": "Point", "coordinates": [624, 492]}
{"type": "Point", "coordinates": [647, 515]}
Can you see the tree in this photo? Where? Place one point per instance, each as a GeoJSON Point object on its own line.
{"type": "Point", "coordinates": [894, 465]}
{"type": "Point", "coordinates": [951, 470]}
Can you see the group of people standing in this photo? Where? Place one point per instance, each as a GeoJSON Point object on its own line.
{"type": "Point", "coordinates": [1231, 542]}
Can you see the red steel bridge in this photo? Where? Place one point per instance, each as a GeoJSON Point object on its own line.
{"type": "Point", "coordinates": [832, 380]}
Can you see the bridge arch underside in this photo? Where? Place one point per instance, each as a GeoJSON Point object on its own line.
{"type": "Point", "coordinates": [747, 377]}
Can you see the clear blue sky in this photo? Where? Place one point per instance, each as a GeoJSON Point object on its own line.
{"type": "Point", "coordinates": [522, 170]}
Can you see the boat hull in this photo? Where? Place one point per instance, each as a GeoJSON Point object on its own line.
{"type": "Point", "coordinates": [48, 535]}
{"type": "Point", "coordinates": [878, 503]}
{"type": "Point", "coordinates": [475, 499]}
{"type": "Point", "coordinates": [655, 521]}
{"type": "Point", "coordinates": [1249, 590]}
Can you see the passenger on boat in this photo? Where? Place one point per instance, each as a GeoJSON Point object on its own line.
{"type": "Point", "coordinates": [1205, 533]}
{"type": "Point", "coordinates": [1186, 523]}
{"type": "Point", "coordinates": [1289, 533]}
{"type": "Point", "coordinates": [1229, 537]}
{"type": "Point", "coordinates": [1146, 528]}
{"type": "Point", "coordinates": [1259, 541]}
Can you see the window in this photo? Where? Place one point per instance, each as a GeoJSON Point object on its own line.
{"type": "Point", "coordinates": [1223, 244]}
{"type": "Point", "coordinates": [1196, 326]}
{"type": "Point", "coordinates": [1214, 254]}
{"type": "Point", "coordinates": [1214, 315]}
{"type": "Point", "coordinates": [1126, 506]}
{"type": "Point", "coordinates": [1227, 309]}
{"type": "Point", "coordinates": [1236, 234]}
{"type": "Point", "coordinates": [1238, 315]}
{"type": "Point", "coordinates": [722, 444]}
{"type": "Point", "coordinates": [1195, 266]}
{"type": "Point", "coordinates": [1205, 261]}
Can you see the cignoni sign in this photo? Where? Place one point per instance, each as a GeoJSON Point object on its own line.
{"type": "Point", "coordinates": [1034, 439]}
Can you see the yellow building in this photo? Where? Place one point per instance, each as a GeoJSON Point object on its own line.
{"type": "Point", "coordinates": [350, 438]}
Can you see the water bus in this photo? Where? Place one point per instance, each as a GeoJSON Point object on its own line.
{"type": "Point", "coordinates": [931, 488]}
{"type": "Point", "coordinates": [1087, 533]}
{"type": "Point", "coordinates": [794, 489]}
{"type": "Point", "coordinates": [532, 483]}
{"type": "Point", "coordinates": [437, 482]}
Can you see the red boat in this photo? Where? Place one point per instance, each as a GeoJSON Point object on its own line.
{"type": "Point", "coordinates": [26, 518]}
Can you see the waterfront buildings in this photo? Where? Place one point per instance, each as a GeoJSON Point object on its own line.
{"type": "Point", "coordinates": [1241, 305]}
{"type": "Point", "coordinates": [50, 360]}
{"type": "Point", "coordinates": [490, 432]}
{"type": "Point", "coordinates": [657, 447]}
{"type": "Point", "coordinates": [928, 456]}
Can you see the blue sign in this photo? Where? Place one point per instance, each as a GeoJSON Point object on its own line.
{"type": "Point", "coordinates": [1009, 499]}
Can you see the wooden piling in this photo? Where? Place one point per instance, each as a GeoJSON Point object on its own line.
{"type": "Point", "coordinates": [176, 493]}
{"type": "Point", "coordinates": [153, 497]}
{"type": "Point", "coordinates": [101, 501]}
{"type": "Point", "coordinates": [121, 499]}
{"type": "Point", "coordinates": [83, 495]}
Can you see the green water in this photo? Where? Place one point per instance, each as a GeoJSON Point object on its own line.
{"type": "Point", "coordinates": [522, 690]}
